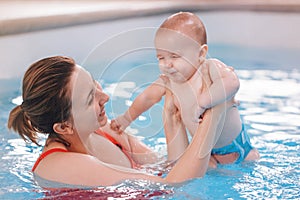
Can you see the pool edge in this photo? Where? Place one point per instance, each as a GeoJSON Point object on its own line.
{"type": "Point", "coordinates": [73, 13]}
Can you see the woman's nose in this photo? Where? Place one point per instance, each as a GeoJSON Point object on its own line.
{"type": "Point", "coordinates": [103, 97]}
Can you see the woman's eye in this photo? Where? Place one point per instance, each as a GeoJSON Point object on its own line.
{"type": "Point", "coordinates": [175, 56]}
{"type": "Point", "coordinates": [160, 58]}
{"type": "Point", "coordinates": [92, 96]}
{"type": "Point", "coordinates": [91, 100]}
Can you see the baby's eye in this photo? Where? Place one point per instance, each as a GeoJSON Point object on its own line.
{"type": "Point", "coordinates": [160, 58]}
{"type": "Point", "coordinates": [175, 56]}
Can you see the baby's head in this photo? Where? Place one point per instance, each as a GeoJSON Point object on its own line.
{"type": "Point", "coordinates": [183, 31]}
{"type": "Point", "coordinates": [187, 24]}
{"type": "Point", "coordinates": [180, 44]}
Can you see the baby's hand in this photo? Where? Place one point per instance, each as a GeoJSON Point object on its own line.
{"type": "Point", "coordinates": [115, 126]}
{"type": "Point", "coordinates": [119, 124]}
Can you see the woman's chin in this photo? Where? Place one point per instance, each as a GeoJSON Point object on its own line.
{"type": "Point", "coordinates": [103, 121]}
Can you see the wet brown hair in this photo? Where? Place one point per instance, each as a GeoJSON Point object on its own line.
{"type": "Point", "coordinates": [188, 24]}
{"type": "Point", "coordinates": [46, 99]}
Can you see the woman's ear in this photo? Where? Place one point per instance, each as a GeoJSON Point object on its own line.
{"type": "Point", "coordinates": [202, 53]}
{"type": "Point", "coordinates": [63, 128]}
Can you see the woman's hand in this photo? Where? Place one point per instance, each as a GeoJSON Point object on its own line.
{"type": "Point", "coordinates": [174, 128]}
{"type": "Point", "coordinates": [169, 107]}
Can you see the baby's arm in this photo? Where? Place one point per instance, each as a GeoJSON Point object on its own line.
{"type": "Point", "coordinates": [143, 102]}
{"type": "Point", "coordinates": [224, 84]}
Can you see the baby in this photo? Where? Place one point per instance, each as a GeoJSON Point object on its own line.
{"type": "Point", "coordinates": [196, 84]}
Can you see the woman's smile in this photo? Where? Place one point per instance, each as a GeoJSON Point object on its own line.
{"type": "Point", "coordinates": [102, 118]}
{"type": "Point", "coordinates": [102, 113]}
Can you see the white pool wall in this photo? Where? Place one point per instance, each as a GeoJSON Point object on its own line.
{"type": "Point", "coordinates": [278, 30]}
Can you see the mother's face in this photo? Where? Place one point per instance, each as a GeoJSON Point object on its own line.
{"type": "Point", "coordinates": [88, 101]}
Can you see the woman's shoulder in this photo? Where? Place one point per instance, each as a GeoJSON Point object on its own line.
{"type": "Point", "coordinates": [58, 160]}
{"type": "Point", "coordinates": [72, 168]}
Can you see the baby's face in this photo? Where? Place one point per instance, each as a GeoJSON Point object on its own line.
{"type": "Point", "coordinates": [178, 55]}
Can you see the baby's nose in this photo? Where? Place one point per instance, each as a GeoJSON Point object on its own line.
{"type": "Point", "coordinates": [167, 63]}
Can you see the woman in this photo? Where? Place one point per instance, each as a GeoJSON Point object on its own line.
{"type": "Point", "coordinates": [62, 100]}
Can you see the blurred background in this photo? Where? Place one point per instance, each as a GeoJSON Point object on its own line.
{"type": "Point", "coordinates": [30, 30]}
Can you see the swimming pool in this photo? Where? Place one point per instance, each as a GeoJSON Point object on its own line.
{"type": "Point", "coordinates": [270, 106]}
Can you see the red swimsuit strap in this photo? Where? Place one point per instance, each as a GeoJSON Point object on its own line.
{"type": "Point", "coordinates": [115, 142]}
{"type": "Point", "coordinates": [46, 153]}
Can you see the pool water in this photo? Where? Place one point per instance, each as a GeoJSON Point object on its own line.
{"type": "Point", "coordinates": [269, 104]}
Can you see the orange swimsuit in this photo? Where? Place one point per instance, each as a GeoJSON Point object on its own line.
{"type": "Point", "coordinates": [102, 133]}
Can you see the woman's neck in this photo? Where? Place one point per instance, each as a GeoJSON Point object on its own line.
{"type": "Point", "coordinates": [75, 145]}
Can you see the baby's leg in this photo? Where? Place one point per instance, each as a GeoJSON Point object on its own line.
{"type": "Point", "coordinates": [212, 162]}
{"type": "Point", "coordinates": [253, 155]}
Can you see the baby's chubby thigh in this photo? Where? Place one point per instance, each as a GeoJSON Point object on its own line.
{"type": "Point", "coordinates": [231, 127]}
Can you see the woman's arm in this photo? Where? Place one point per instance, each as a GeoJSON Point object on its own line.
{"type": "Point", "coordinates": [194, 161]}
{"type": "Point", "coordinates": [175, 132]}
{"type": "Point", "coordinates": [86, 170]}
